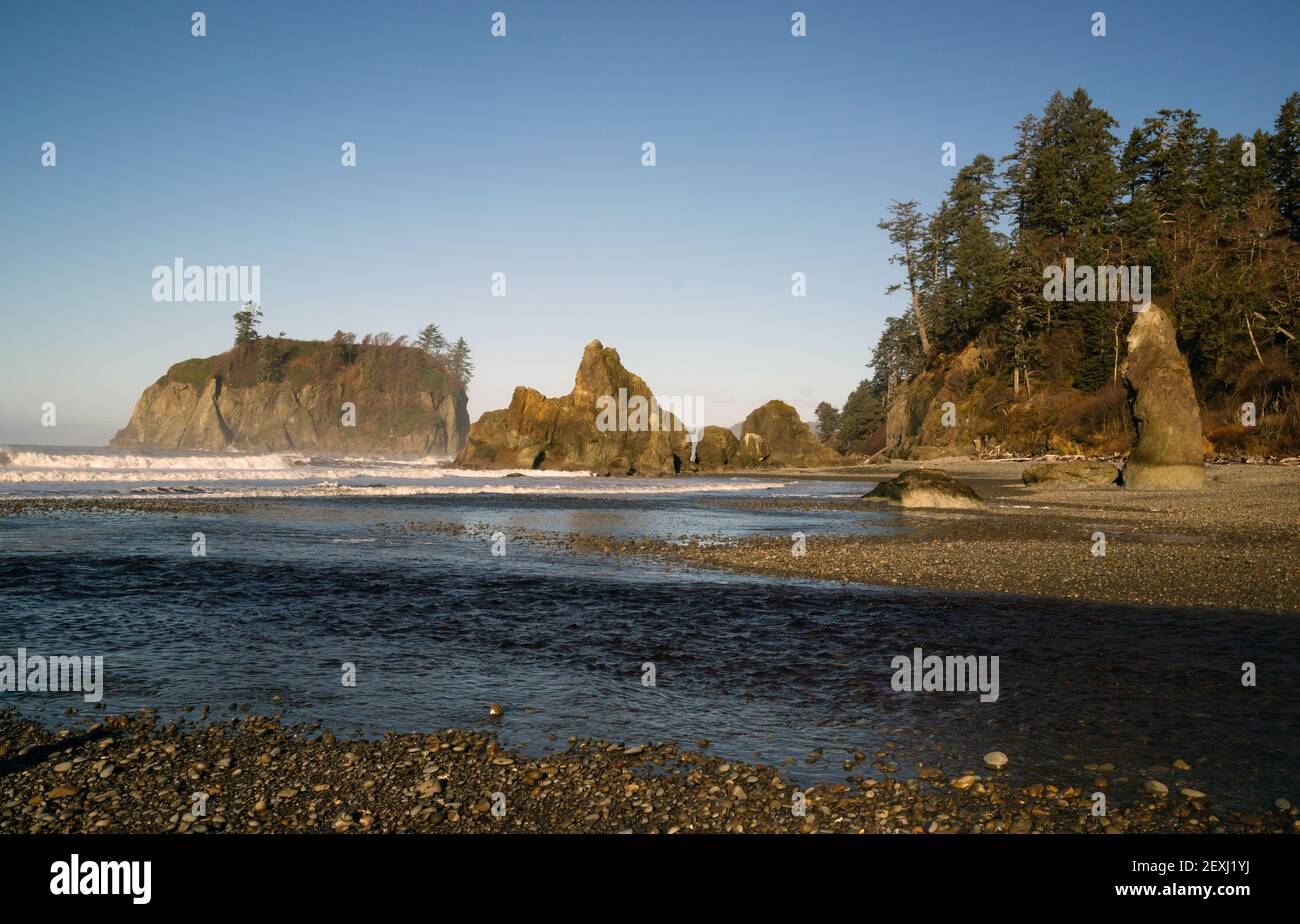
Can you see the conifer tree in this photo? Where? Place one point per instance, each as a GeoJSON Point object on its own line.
{"type": "Point", "coordinates": [246, 320]}
{"type": "Point", "coordinates": [430, 340]}
{"type": "Point", "coordinates": [1284, 162]}
{"type": "Point", "coordinates": [461, 365]}
{"type": "Point", "coordinates": [906, 228]}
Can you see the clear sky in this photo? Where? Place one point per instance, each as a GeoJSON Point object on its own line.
{"type": "Point", "coordinates": [522, 155]}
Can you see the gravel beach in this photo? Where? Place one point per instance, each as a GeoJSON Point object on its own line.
{"type": "Point", "coordinates": [1235, 545]}
{"type": "Point", "coordinates": [136, 774]}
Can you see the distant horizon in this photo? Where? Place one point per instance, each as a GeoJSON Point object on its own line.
{"type": "Point", "coordinates": [476, 155]}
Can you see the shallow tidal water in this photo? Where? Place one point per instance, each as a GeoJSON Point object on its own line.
{"type": "Point", "coordinates": [767, 670]}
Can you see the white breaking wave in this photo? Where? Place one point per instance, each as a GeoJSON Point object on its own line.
{"type": "Point", "coordinates": [207, 462]}
{"type": "Point", "coordinates": [129, 461]}
{"type": "Point", "coordinates": [74, 476]}
{"type": "Point", "coordinates": [415, 490]}
{"type": "Point", "coordinates": [54, 467]}
{"type": "Point", "coordinates": [233, 475]}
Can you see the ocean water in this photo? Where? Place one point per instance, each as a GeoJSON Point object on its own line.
{"type": "Point", "coordinates": [388, 565]}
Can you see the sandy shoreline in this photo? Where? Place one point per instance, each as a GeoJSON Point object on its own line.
{"type": "Point", "coordinates": [135, 774]}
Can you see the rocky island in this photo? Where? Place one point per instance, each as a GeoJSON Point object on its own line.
{"type": "Point", "coordinates": [276, 394]}
{"type": "Point", "coordinates": [565, 434]}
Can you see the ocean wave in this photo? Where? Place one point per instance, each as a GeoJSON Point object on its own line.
{"type": "Point", "coordinates": [131, 461]}
{"type": "Point", "coordinates": [48, 466]}
{"type": "Point", "coordinates": [603, 488]}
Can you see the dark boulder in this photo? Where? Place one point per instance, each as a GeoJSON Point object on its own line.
{"type": "Point", "coordinates": [925, 487]}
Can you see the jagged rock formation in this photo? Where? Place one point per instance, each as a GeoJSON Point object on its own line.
{"type": "Point", "coordinates": [925, 487]}
{"type": "Point", "coordinates": [562, 434]}
{"type": "Point", "coordinates": [1169, 454]}
{"type": "Point", "coordinates": [1076, 473]}
{"type": "Point", "coordinates": [567, 434]}
{"type": "Point", "coordinates": [773, 434]}
{"type": "Point", "coordinates": [406, 402]}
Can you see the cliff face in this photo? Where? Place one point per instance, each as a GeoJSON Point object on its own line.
{"type": "Point", "coordinates": [290, 395]}
{"type": "Point", "coordinates": [562, 434]}
{"type": "Point", "coordinates": [964, 403]}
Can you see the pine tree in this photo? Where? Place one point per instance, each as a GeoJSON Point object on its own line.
{"type": "Point", "coordinates": [1071, 180]}
{"type": "Point", "coordinates": [1214, 172]}
{"type": "Point", "coordinates": [1249, 180]}
{"type": "Point", "coordinates": [431, 340]}
{"type": "Point", "coordinates": [1168, 165]}
{"type": "Point", "coordinates": [1016, 173]}
{"type": "Point", "coordinates": [270, 360]}
{"type": "Point", "coordinates": [1284, 162]}
{"type": "Point", "coordinates": [828, 421]}
{"type": "Point", "coordinates": [897, 356]}
{"type": "Point", "coordinates": [968, 256]}
{"type": "Point", "coordinates": [461, 365]}
{"type": "Point", "coordinates": [246, 321]}
{"type": "Point", "coordinates": [862, 415]}
{"type": "Point", "coordinates": [1138, 218]}
{"type": "Point", "coordinates": [906, 228]}
{"type": "Point", "coordinates": [1216, 226]}
{"type": "Point", "coordinates": [344, 346]}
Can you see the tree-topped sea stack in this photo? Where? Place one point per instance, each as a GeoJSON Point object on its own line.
{"type": "Point", "coordinates": [273, 394]}
{"type": "Point", "coordinates": [1170, 453]}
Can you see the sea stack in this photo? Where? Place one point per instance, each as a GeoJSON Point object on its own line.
{"type": "Point", "coordinates": [1169, 453]}
{"type": "Point", "coordinates": [276, 394]}
{"type": "Point", "coordinates": [566, 434]}
{"type": "Point", "coordinates": [773, 434]}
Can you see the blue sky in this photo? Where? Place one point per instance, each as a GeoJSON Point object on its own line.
{"type": "Point", "coordinates": [522, 155]}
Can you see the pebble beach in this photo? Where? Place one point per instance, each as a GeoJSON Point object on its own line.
{"type": "Point", "coordinates": [136, 774]}
{"type": "Point", "coordinates": [1235, 545]}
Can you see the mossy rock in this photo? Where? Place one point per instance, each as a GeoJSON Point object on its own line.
{"type": "Point", "coordinates": [926, 487]}
{"type": "Point", "coordinates": [786, 440]}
